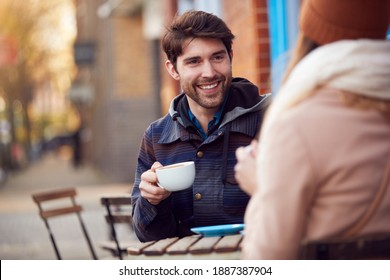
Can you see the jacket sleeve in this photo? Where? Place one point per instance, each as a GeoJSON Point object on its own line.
{"type": "Point", "coordinates": [151, 222]}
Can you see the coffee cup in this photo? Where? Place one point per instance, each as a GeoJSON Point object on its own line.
{"type": "Point", "coordinates": [176, 177]}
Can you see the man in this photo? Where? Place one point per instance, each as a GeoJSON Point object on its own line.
{"type": "Point", "coordinates": [213, 116]}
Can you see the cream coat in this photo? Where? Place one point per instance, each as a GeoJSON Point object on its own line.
{"type": "Point", "coordinates": [321, 162]}
{"type": "Point", "coordinates": [314, 187]}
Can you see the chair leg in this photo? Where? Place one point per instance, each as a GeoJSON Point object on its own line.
{"type": "Point", "coordinates": [87, 237]}
{"type": "Point", "coordinates": [113, 232]}
{"type": "Point", "coordinates": [52, 240]}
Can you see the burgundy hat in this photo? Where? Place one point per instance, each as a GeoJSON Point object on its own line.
{"type": "Point", "coordinates": [326, 21]}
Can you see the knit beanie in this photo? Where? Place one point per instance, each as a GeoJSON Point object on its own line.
{"type": "Point", "coordinates": [326, 21]}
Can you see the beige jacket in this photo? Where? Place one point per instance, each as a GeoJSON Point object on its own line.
{"type": "Point", "coordinates": [325, 162]}
{"type": "Point", "coordinates": [321, 165]}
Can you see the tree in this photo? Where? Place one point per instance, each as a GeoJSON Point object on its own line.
{"type": "Point", "coordinates": [43, 33]}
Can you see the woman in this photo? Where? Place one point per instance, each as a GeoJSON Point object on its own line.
{"type": "Point", "coordinates": [325, 140]}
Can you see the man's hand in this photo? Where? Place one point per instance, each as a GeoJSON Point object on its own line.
{"type": "Point", "coordinates": [148, 186]}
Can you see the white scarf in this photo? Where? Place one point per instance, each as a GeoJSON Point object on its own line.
{"type": "Point", "coordinates": [357, 66]}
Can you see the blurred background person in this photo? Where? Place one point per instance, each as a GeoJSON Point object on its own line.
{"type": "Point", "coordinates": [77, 158]}
{"type": "Point", "coordinates": [325, 140]}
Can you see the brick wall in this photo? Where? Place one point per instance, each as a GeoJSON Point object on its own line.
{"type": "Point", "coordinates": [124, 104]}
{"type": "Point", "coordinates": [131, 106]}
{"type": "Point", "coordinates": [248, 20]}
{"type": "Point", "coordinates": [131, 54]}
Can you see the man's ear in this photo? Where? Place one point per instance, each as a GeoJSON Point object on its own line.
{"type": "Point", "coordinates": [171, 70]}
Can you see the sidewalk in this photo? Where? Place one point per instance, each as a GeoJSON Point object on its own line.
{"type": "Point", "coordinates": [22, 232]}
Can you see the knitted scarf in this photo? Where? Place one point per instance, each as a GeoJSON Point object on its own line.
{"type": "Point", "coordinates": [358, 66]}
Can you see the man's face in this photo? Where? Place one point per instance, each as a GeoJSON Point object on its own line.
{"type": "Point", "coordinates": [204, 71]}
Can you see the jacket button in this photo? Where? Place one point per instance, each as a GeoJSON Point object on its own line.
{"type": "Point", "coordinates": [198, 196]}
{"type": "Point", "coordinates": [199, 154]}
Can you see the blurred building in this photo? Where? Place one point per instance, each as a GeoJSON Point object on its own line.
{"type": "Point", "coordinates": [114, 88]}
{"type": "Point", "coordinates": [122, 85]}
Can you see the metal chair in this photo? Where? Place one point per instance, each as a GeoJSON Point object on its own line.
{"type": "Point", "coordinates": [358, 248]}
{"type": "Point", "coordinates": [74, 208]}
{"type": "Point", "coordinates": [118, 211]}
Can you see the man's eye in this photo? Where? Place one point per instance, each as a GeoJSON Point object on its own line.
{"type": "Point", "coordinates": [219, 57]}
{"type": "Point", "coordinates": [193, 61]}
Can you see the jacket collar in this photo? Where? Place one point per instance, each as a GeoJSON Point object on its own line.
{"type": "Point", "coordinates": [243, 98]}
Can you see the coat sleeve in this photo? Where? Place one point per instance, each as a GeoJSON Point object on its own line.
{"type": "Point", "coordinates": [151, 222]}
{"type": "Point", "coordinates": [277, 214]}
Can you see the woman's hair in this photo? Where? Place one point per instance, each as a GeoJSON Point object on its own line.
{"type": "Point", "coordinates": [304, 46]}
{"type": "Point", "coordinates": [194, 24]}
{"type": "Point", "coordinates": [367, 103]}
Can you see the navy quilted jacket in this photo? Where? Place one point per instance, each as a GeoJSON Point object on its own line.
{"type": "Point", "coordinates": [215, 197]}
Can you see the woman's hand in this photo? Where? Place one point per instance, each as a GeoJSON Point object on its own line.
{"type": "Point", "coordinates": [149, 188]}
{"type": "Point", "coordinates": [245, 169]}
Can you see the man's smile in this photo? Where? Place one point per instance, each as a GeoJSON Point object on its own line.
{"type": "Point", "coordinates": [208, 86]}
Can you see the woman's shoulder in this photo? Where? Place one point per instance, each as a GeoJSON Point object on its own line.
{"type": "Point", "coordinates": [321, 104]}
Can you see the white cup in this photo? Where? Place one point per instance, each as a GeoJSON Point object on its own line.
{"type": "Point", "coordinates": [176, 177]}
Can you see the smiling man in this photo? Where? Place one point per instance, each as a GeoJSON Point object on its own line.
{"type": "Point", "coordinates": [213, 116]}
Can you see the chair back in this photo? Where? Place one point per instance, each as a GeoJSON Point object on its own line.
{"type": "Point", "coordinates": [375, 247]}
{"type": "Point", "coordinates": [118, 211]}
{"type": "Point", "coordinates": [46, 212]}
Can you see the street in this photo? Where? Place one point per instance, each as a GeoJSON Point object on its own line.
{"type": "Point", "coordinates": [23, 235]}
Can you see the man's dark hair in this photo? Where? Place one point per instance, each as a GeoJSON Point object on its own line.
{"type": "Point", "coordinates": [194, 24]}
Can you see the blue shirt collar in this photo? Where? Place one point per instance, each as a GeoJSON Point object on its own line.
{"type": "Point", "coordinates": [215, 121]}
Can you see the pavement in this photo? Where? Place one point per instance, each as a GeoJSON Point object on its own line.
{"type": "Point", "coordinates": [23, 235]}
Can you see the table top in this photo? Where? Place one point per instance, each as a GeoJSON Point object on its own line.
{"type": "Point", "coordinates": [189, 247]}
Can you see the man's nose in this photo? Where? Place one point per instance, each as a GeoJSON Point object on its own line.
{"type": "Point", "coordinates": [208, 69]}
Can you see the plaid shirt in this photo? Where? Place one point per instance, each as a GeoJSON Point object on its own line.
{"type": "Point", "coordinates": [215, 197]}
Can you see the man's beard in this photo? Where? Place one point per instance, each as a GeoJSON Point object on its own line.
{"type": "Point", "coordinates": [211, 101]}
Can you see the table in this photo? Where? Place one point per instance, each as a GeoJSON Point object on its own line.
{"type": "Point", "coordinates": [189, 247]}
